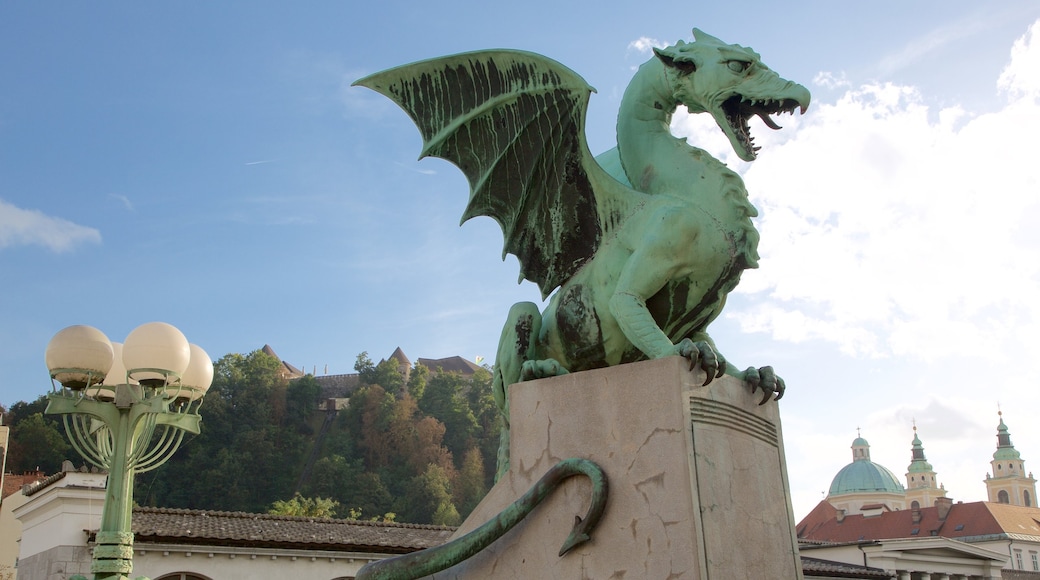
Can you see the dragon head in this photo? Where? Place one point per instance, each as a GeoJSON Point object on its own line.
{"type": "Point", "coordinates": [730, 82]}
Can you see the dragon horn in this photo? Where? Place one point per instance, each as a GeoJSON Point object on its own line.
{"type": "Point", "coordinates": [701, 36]}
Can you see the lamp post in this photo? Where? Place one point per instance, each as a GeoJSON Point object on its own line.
{"type": "Point", "coordinates": [126, 408]}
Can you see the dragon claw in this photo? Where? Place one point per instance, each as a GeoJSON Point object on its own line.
{"type": "Point", "coordinates": [703, 356]}
{"type": "Point", "coordinates": [765, 378]}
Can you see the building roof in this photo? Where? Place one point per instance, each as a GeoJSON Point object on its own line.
{"type": "Point", "coordinates": [14, 483]}
{"type": "Point", "coordinates": [451, 364]}
{"type": "Point", "coordinates": [399, 356]}
{"type": "Point", "coordinates": [918, 462]}
{"type": "Point", "coordinates": [287, 369]}
{"type": "Point", "coordinates": [973, 521]}
{"type": "Point", "coordinates": [197, 527]}
{"type": "Point", "coordinates": [1005, 449]}
{"type": "Point", "coordinates": [201, 528]}
{"type": "Point", "coordinates": [816, 567]}
{"type": "Point", "coordinates": [863, 475]}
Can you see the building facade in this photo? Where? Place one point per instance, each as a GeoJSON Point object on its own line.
{"type": "Point", "coordinates": [1007, 481]}
{"type": "Point", "coordinates": [921, 534]}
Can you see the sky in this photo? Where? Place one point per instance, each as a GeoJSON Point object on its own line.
{"type": "Point", "coordinates": [211, 166]}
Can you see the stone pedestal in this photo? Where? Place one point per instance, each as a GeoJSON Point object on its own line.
{"type": "Point", "coordinates": [698, 482]}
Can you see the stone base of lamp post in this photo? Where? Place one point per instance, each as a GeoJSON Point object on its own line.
{"type": "Point", "coordinates": [113, 554]}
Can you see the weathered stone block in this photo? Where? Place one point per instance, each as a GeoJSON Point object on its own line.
{"type": "Point", "coordinates": [698, 483]}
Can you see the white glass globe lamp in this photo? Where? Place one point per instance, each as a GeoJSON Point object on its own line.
{"type": "Point", "coordinates": [155, 354]}
{"type": "Point", "coordinates": [79, 356]}
{"type": "Point", "coordinates": [196, 378]}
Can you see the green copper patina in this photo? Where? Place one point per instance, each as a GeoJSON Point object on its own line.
{"type": "Point", "coordinates": [639, 249]}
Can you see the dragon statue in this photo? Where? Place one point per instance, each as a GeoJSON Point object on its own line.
{"type": "Point", "coordinates": [641, 245]}
{"type": "Point", "coordinates": [638, 247]}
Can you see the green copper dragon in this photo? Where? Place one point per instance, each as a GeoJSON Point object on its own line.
{"type": "Point", "coordinates": [639, 248]}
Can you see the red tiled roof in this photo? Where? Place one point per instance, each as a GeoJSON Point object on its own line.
{"type": "Point", "coordinates": [13, 483]}
{"type": "Point", "coordinates": [965, 520]}
{"type": "Point", "coordinates": [179, 526]}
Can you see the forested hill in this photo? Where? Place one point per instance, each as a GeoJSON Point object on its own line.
{"type": "Point", "coordinates": [422, 451]}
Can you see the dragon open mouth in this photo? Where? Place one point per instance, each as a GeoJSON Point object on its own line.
{"type": "Point", "coordinates": [738, 109]}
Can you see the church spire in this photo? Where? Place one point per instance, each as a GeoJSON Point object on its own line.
{"type": "Point", "coordinates": [1009, 482]}
{"type": "Point", "coordinates": [921, 487]}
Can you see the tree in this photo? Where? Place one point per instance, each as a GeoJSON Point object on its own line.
{"type": "Point", "coordinates": [386, 374]}
{"type": "Point", "coordinates": [244, 434]}
{"type": "Point", "coordinates": [444, 400]}
{"type": "Point", "coordinates": [472, 486]}
{"type": "Point", "coordinates": [313, 507]}
{"type": "Point", "coordinates": [429, 498]}
{"type": "Point", "coordinates": [489, 420]}
{"type": "Point", "coordinates": [302, 399]}
{"type": "Point", "coordinates": [417, 380]}
{"type": "Point", "coordinates": [36, 443]}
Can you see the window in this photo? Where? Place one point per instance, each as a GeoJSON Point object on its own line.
{"type": "Point", "coordinates": [1018, 559]}
{"type": "Point", "coordinates": [1002, 497]}
{"type": "Point", "coordinates": [1026, 500]}
{"type": "Point", "coordinates": [915, 505]}
{"type": "Point", "coordinates": [1036, 564]}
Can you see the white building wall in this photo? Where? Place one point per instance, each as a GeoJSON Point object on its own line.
{"type": "Point", "coordinates": [10, 535]}
{"type": "Point", "coordinates": [59, 514]}
{"type": "Point", "coordinates": [233, 563]}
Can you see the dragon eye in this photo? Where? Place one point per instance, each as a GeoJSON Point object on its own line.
{"type": "Point", "coordinates": [738, 66]}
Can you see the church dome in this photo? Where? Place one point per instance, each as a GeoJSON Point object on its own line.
{"type": "Point", "coordinates": [863, 475]}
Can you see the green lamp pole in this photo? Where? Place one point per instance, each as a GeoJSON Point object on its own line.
{"type": "Point", "coordinates": [126, 408]}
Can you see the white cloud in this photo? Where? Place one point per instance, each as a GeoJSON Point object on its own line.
{"type": "Point", "coordinates": [829, 80]}
{"type": "Point", "coordinates": [124, 200]}
{"type": "Point", "coordinates": [892, 228]}
{"type": "Point", "coordinates": [645, 44]}
{"type": "Point", "coordinates": [22, 227]}
{"type": "Point", "coordinates": [1020, 78]}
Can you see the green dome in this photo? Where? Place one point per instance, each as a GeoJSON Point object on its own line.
{"type": "Point", "coordinates": [865, 476]}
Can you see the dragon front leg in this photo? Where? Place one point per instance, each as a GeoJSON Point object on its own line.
{"type": "Point", "coordinates": [642, 331]}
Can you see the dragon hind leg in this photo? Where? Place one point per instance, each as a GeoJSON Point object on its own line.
{"type": "Point", "coordinates": [516, 346]}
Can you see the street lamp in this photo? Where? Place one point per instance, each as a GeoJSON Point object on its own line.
{"type": "Point", "coordinates": [126, 408]}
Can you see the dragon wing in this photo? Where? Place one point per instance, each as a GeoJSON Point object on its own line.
{"type": "Point", "coordinates": [514, 123]}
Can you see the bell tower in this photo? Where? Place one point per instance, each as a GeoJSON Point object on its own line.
{"type": "Point", "coordinates": [921, 487]}
{"type": "Point", "coordinates": [1009, 483]}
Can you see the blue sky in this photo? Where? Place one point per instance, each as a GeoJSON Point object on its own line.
{"type": "Point", "coordinates": [211, 167]}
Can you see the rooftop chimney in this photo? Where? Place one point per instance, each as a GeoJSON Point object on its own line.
{"type": "Point", "coordinates": [942, 507]}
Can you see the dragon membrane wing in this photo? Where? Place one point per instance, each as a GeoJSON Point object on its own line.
{"type": "Point", "coordinates": [514, 123]}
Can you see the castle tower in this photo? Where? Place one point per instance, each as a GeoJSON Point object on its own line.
{"type": "Point", "coordinates": [921, 487]}
{"type": "Point", "coordinates": [1009, 482]}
